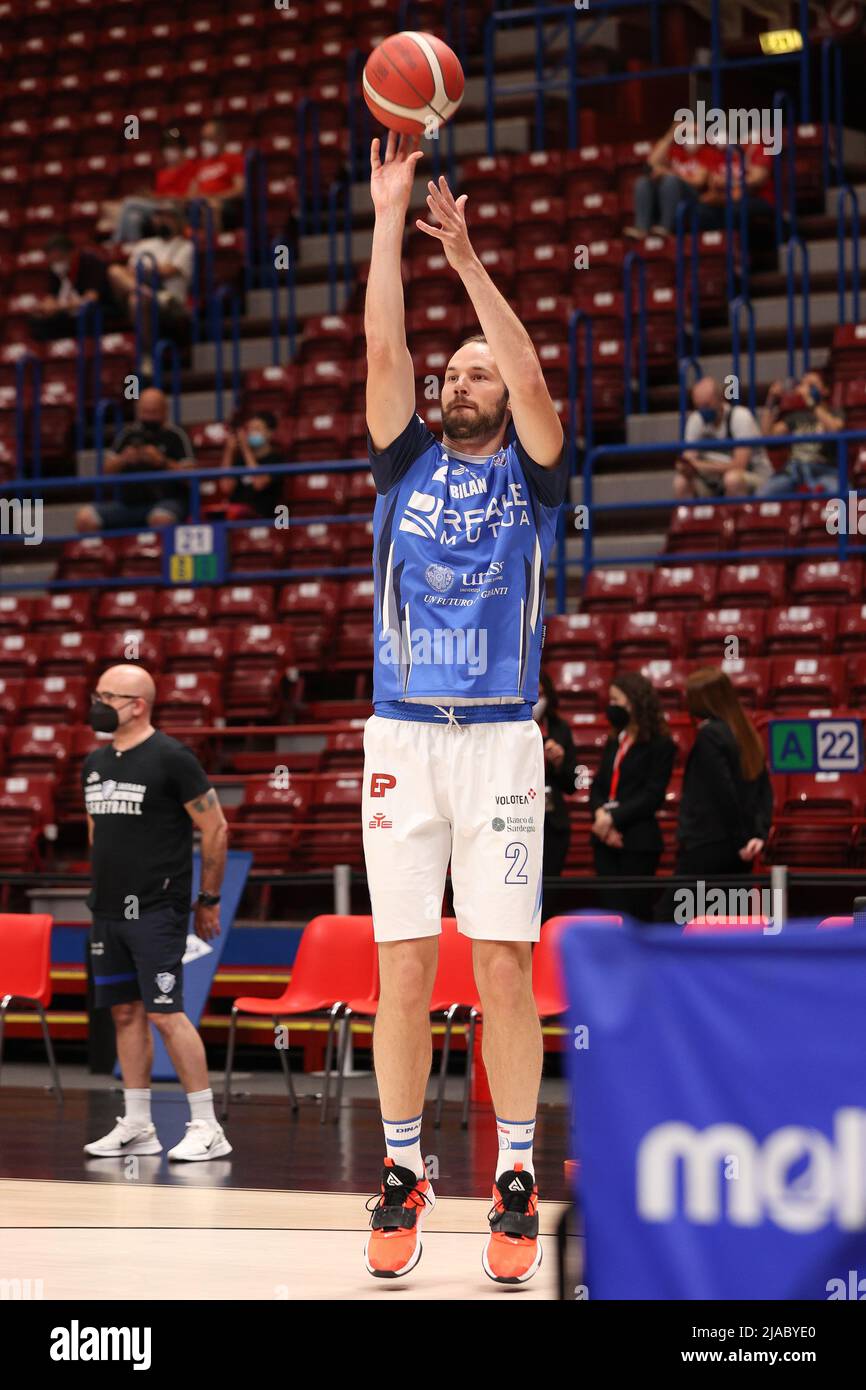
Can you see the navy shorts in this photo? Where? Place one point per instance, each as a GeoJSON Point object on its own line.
{"type": "Point", "coordinates": [140, 959]}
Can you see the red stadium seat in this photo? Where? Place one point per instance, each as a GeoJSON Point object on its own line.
{"type": "Point", "coordinates": [310, 607]}
{"type": "Point", "coordinates": [250, 602]}
{"type": "Point", "coordinates": [196, 649]}
{"type": "Point", "coordinates": [259, 547]}
{"type": "Point", "coordinates": [799, 681]}
{"type": "Point", "coordinates": [132, 644]}
{"type": "Point", "coordinates": [188, 698]}
{"type": "Point", "coordinates": [69, 653]}
{"type": "Point", "coordinates": [317, 494]}
{"type": "Point", "coordinates": [828, 581]}
{"type": "Point", "coordinates": [20, 655]}
{"type": "Point", "coordinates": [581, 685]}
{"type": "Point", "coordinates": [851, 631]}
{"type": "Point", "coordinates": [579, 636]}
{"type": "Point", "coordinates": [646, 635]}
{"type": "Point", "coordinates": [56, 698]}
{"type": "Point", "coordinates": [702, 527]}
{"type": "Point", "coordinates": [800, 630]}
{"type": "Point", "coordinates": [140, 554]}
{"type": "Point", "coordinates": [125, 608]}
{"type": "Point", "coordinates": [183, 607]}
{"type": "Point", "coordinates": [751, 585]}
{"type": "Point", "coordinates": [709, 634]}
{"type": "Point", "coordinates": [616, 590]}
{"type": "Point", "coordinates": [324, 437]}
{"type": "Point", "coordinates": [767, 525]}
{"type": "Point", "coordinates": [16, 612]}
{"type": "Point", "coordinates": [683, 586]}
{"type": "Point", "coordinates": [26, 814]}
{"type": "Point", "coordinates": [667, 675]}
{"type": "Point", "coordinates": [62, 611]}
{"type": "Point", "coordinates": [39, 750]}
{"type": "Point", "coordinates": [11, 695]}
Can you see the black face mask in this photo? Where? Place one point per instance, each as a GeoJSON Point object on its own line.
{"type": "Point", "coordinates": [103, 718]}
{"type": "Point", "coordinates": [618, 716]}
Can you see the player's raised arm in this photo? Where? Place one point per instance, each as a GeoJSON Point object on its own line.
{"type": "Point", "coordinates": [535, 419]}
{"type": "Point", "coordinates": [390, 374]}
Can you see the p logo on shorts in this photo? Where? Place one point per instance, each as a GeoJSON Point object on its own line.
{"type": "Point", "coordinates": [381, 782]}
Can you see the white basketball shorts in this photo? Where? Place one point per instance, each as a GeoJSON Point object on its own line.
{"type": "Point", "coordinates": [473, 794]}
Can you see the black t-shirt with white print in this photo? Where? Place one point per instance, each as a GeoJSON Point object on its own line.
{"type": "Point", "coordinates": [142, 835]}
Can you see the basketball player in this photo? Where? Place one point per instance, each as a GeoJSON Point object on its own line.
{"type": "Point", "coordinates": [143, 793]}
{"type": "Point", "coordinates": [454, 764]}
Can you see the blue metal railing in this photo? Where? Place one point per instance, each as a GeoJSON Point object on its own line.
{"type": "Point", "coordinates": [146, 276]}
{"type": "Point", "coordinates": [796, 243]}
{"type": "Point", "coordinates": [738, 153]}
{"type": "Point", "coordinates": [25, 361]}
{"type": "Point", "coordinates": [88, 316]}
{"type": "Point", "coordinates": [309, 189]}
{"type": "Point", "coordinates": [847, 194]}
{"type": "Point", "coordinates": [786, 189]}
{"type": "Point", "coordinates": [217, 326]}
{"type": "Point", "coordinates": [200, 213]}
{"type": "Point", "coordinates": [633, 259]}
{"type": "Point", "coordinates": [840, 548]}
{"type": "Point", "coordinates": [575, 317]}
{"type": "Point", "coordinates": [740, 304]}
{"type": "Point", "coordinates": [688, 209]}
{"type": "Point", "coordinates": [164, 347]}
{"type": "Point", "coordinates": [832, 107]}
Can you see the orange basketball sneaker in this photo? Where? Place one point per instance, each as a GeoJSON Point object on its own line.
{"type": "Point", "coordinates": [513, 1252]}
{"type": "Point", "coordinates": [394, 1243]}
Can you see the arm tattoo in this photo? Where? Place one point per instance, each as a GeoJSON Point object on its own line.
{"type": "Point", "coordinates": [204, 802]}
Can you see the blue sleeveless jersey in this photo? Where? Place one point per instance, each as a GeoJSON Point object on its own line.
{"type": "Point", "coordinates": [459, 557]}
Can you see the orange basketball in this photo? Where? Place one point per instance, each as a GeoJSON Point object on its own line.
{"type": "Point", "coordinates": [413, 83]}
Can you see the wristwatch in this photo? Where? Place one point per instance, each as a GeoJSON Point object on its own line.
{"type": "Point", "coordinates": [208, 899]}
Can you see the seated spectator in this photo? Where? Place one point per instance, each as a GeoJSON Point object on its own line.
{"type": "Point", "coordinates": [219, 178]}
{"type": "Point", "coordinates": [170, 251]}
{"type": "Point", "coordinates": [760, 193]}
{"type": "Point", "coordinates": [810, 465]}
{"type": "Point", "coordinates": [148, 444]}
{"type": "Point", "coordinates": [130, 220]}
{"type": "Point", "coordinates": [717, 472]}
{"type": "Point", "coordinates": [676, 172]}
{"type": "Point", "coordinates": [77, 277]}
{"type": "Point", "coordinates": [250, 449]}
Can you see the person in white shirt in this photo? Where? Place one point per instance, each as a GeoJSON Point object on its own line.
{"type": "Point", "coordinates": [708, 472]}
{"type": "Point", "coordinates": [170, 252]}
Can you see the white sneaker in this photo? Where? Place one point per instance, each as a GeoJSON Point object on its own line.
{"type": "Point", "coordinates": [201, 1141]}
{"type": "Point", "coordinates": [127, 1137]}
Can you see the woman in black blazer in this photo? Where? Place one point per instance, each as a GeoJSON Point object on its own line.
{"type": "Point", "coordinates": [727, 800]}
{"type": "Point", "coordinates": [628, 789]}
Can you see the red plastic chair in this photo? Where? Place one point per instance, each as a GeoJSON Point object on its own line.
{"type": "Point", "coordinates": [836, 922]}
{"type": "Point", "coordinates": [25, 973]}
{"type": "Point", "coordinates": [547, 987]}
{"type": "Point", "coordinates": [335, 962]}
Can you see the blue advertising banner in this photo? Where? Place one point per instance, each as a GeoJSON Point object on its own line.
{"type": "Point", "coordinates": [202, 957]}
{"type": "Point", "coordinates": [719, 1102]}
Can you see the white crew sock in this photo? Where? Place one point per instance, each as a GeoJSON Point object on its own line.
{"type": "Point", "coordinates": [403, 1144]}
{"type": "Point", "coordinates": [137, 1106]}
{"type": "Point", "coordinates": [515, 1144]}
{"type": "Point", "coordinates": [201, 1106]}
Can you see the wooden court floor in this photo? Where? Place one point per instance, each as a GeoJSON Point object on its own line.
{"type": "Point", "coordinates": [116, 1240]}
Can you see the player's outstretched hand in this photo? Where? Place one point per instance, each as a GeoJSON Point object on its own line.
{"type": "Point", "coordinates": [391, 178]}
{"type": "Point", "coordinates": [452, 231]}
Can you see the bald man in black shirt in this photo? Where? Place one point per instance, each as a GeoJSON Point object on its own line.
{"type": "Point", "coordinates": [144, 792]}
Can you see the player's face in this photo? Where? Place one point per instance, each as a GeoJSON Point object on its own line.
{"type": "Point", "coordinates": [474, 398]}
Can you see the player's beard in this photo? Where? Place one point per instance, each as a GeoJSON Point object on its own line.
{"type": "Point", "coordinates": [467, 425]}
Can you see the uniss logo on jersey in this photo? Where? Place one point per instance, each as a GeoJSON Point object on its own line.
{"type": "Point", "coordinates": [381, 782]}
